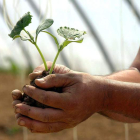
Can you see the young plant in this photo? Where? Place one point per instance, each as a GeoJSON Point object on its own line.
{"type": "Point", "coordinates": [70, 35]}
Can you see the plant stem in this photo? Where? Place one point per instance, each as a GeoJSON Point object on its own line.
{"type": "Point", "coordinates": [34, 42]}
{"type": "Point", "coordinates": [44, 61]}
{"type": "Point", "coordinates": [36, 39]}
{"type": "Point", "coordinates": [26, 31]}
{"type": "Point", "coordinates": [29, 35]}
{"type": "Point", "coordinates": [54, 62]}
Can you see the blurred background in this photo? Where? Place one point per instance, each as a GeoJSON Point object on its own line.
{"type": "Point", "coordinates": [111, 44]}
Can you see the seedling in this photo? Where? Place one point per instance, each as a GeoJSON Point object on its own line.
{"type": "Point", "coordinates": [70, 35]}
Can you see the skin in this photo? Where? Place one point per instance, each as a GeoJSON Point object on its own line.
{"type": "Point", "coordinates": [115, 96]}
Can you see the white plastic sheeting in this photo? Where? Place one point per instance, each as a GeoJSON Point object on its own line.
{"type": "Point", "coordinates": [106, 19]}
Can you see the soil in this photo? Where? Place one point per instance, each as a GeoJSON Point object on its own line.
{"type": "Point", "coordinates": [97, 127]}
{"type": "Point", "coordinates": [30, 101]}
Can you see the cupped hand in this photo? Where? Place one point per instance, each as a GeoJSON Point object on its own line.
{"type": "Point", "coordinates": [17, 94]}
{"type": "Point", "coordinates": [61, 69]}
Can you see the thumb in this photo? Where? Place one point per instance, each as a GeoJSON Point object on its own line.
{"type": "Point", "coordinates": [55, 80]}
{"type": "Point", "coordinates": [38, 70]}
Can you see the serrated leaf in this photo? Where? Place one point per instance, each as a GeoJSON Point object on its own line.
{"type": "Point", "coordinates": [44, 25]}
{"type": "Point", "coordinates": [21, 24]}
{"type": "Point", "coordinates": [66, 42]}
{"type": "Point", "coordinates": [55, 39]}
{"type": "Point", "coordinates": [70, 33]}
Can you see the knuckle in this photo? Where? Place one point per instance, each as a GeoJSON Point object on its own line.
{"type": "Point", "coordinates": [27, 111]}
{"type": "Point", "coordinates": [16, 94]}
{"type": "Point", "coordinates": [50, 128]}
{"type": "Point", "coordinates": [49, 62]}
{"type": "Point", "coordinates": [71, 75]}
{"type": "Point", "coordinates": [28, 89]}
{"type": "Point", "coordinates": [31, 126]}
{"type": "Point", "coordinates": [51, 77]}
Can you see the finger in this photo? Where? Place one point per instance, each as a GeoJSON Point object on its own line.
{"type": "Point", "coordinates": [15, 102]}
{"type": "Point", "coordinates": [41, 67]}
{"type": "Point", "coordinates": [61, 69]}
{"type": "Point", "coordinates": [37, 126]}
{"type": "Point", "coordinates": [55, 80]}
{"type": "Point", "coordinates": [49, 98]}
{"type": "Point", "coordinates": [38, 71]}
{"type": "Point", "coordinates": [16, 94]}
{"type": "Point", "coordinates": [33, 75]}
{"type": "Point", "coordinates": [43, 115]}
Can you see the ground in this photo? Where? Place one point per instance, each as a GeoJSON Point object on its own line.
{"type": "Point", "coordinates": [96, 127]}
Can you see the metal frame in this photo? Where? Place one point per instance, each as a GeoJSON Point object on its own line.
{"type": "Point", "coordinates": [94, 33]}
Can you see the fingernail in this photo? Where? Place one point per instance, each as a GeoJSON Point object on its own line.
{"type": "Point", "coordinates": [14, 94]}
{"type": "Point", "coordinates": [40, 80]}
{"type": "Point", "coordinates": [15, 103]}
{"type": "Point", "coordinates": [17, 110]}
{"type": "Point", "coordinates": [24, 87]}
{"type": "Point", "coordinates": [21, 122]}
{"type": "Point", "coordinates": [36, 71]}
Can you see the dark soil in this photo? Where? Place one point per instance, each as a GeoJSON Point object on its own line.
{"type": "Point", "coordinates": [30, 101]}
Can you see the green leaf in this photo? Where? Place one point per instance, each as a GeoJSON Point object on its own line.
{"type": "Point", "coordinates": [70, 33]}
{"type": "Point", "coordinates": [55, 39]}
{"type": "Point", "coordinates": [66, 42]}
{"type": "Point", "coordinates": [21, 24]}
{"type": "Point", "coordinates": [44, 25]}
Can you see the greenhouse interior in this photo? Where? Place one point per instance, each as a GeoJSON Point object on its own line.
{"type": "Point", "coordinates": [106, 41]}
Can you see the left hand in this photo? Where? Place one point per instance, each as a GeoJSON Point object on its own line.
{"type": "Point", "coordinates": [17, 94]}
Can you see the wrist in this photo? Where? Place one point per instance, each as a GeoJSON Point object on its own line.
{"type": "Point", "coordinates": [100, 88]}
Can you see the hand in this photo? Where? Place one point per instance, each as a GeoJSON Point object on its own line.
{"type": "Point", "coordinates": [17, 95]}
{"type": "Point", "coordinates": [81, 98]}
